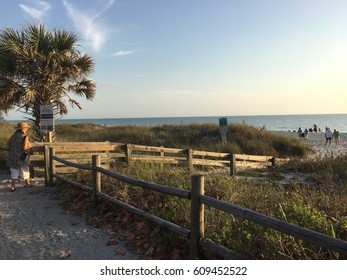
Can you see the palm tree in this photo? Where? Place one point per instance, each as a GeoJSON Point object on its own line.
{"type": "Point", "coordinates": [42, 67]}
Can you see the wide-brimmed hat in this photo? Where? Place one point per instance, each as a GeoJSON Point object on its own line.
{"type": "Point", "coordinates": [22, 125]}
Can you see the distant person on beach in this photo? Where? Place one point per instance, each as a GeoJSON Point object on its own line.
{"type": "Point", "coordinates": [328, 136]}
{"type": "Point", "coordinates": [306, 133]}
{"type": "Point", "coordinates": [315, 128]}
{"type": "Point", "coordinates": [18, 161]}
{"type": "Point", "coordinates": [300, 133]}
{"type": "Point", "coordinates": [337, 136]}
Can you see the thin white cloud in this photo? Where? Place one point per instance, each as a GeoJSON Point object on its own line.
{"type": "Point", "coordinates": [94, 32]}
{"type": "Point", "coordinates": [37, 12]}
{"type": "Point", "coordinates": [125, 53]}
{"type": "Point", "coordinates": [107, 85]}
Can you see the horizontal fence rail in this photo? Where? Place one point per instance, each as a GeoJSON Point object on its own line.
{"type": "Point", "coordinates": [198, 200]}
{"type": "Point", "coordinates": [72, 164]}
{"type": "Point", "coordinates": [80, 153]}
{"type": "Point", "coordinates": [281, 226]}
{"type": "Point", "coordinates": [150, 186]}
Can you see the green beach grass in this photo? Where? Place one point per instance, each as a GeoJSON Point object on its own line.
{"type": "Point", "coordinates": [241, 138]}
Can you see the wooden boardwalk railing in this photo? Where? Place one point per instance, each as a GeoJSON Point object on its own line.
{"type": "Point", "coordinates": [196, 195]}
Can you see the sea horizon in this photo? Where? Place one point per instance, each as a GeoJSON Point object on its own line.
{"type": "Point", "coordinates": [288, 122]}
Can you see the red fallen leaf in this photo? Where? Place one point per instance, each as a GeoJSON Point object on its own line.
{"type": "Point", "coordinates": [141, 236]}
{"type": "Point", "coordinates": [120, 252]}
{"type": "Point", "coordinates": [154, 233]}
{"type": "Point", "coordinates": [127, 233]}
{"type": "Point", "coordinates": [78, 205]}
{"type": "Point", "coordinates": [98, 218]}
{"type": "Point", "coordinates": [149, 251]}
{"type": "Point", "coordinates": [140, 226]}
{"type": "Point", "coordinates": [139, 243]}
{"type": "Point", "coordinates": [118, 219]}
{"type": "Point", "coordinates": [145, 206]}
{"type": "Point", "coordinates": [108, 214]}
{"type": "Point", "coordinates": [64, 254]}
{"type": "Point", "coordinates": [112, 242]}
{"type": "Point", "coordinates": [116, 228]}
{"type": "Point", "coordinates": [160, 249]}
{"type": "Point", "coordinates": [146, 245]}
{"type": "Point", "coordinates": [176, 254]}
{"type": "Point", "coordinates": [126, 216]}
{"type": "Point", "coordinates": [131, 237]}
{"type": "Point", "coordinates": [109, 226]}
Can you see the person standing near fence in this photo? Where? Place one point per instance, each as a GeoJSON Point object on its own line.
{"type": "Point", "coordinates": [18, 155]}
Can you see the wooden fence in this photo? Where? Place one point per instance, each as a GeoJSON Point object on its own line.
{"type": "Point", "coordinates": [80, 152]}
{"type": "Point", "coordinates": [195, 234]}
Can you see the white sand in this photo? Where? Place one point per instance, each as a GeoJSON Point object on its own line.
{"type": "Point", "coordinates": [318, 144]}
{"type": "Point", "coordinates": [33, 226]}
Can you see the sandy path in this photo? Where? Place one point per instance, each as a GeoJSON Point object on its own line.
{"type": "Point", "coordinates": [33, 226]}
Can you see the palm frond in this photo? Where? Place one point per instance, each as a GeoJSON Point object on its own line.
{"type": "Point", "coordinates": [85, 64]}
{"type": "Point", "coordinates": [11, 40]}
{"type": "Point", "coordinates": [60, 106]}
{"type": "Point", "coordinates": [10, 93]}
{"type": "Point", "coordinates": [85, 88]}
{"type": "Point", "coordinates": [39, 39]}
{"type": "Point", "coordinates": [64, 41]}
{"type": "Point", "coordinates": [74, 102]}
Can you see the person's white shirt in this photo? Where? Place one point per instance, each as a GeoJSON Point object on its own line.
{"type": "Point", "coordinates": [328, 133]}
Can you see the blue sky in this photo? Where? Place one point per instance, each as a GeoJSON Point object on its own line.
{"type": "Point", "coordinates": [163, 58]}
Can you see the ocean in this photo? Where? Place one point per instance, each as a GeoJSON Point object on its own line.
{"type": "Point", "coordinates": [273, 122]}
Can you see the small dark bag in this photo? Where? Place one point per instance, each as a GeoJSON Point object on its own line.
{"type": "Point", "coordinates": [23, 156]}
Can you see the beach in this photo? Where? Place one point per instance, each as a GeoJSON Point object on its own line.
{"type": "Point", "coordinates": [317, 142]}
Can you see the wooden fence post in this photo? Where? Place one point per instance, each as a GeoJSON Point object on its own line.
{"type": "Point", "coordinates": [51, 166]}
{"type": "Point", "coordinates": [32, 165]}
{"type": "Point", "coordinates": [47, 165]}
{"type": "Point", "coordinates": [162, 155]}
{"type": "Point", "coordinates": [197, 216]}
{"type": "Point", "coordinates": [128, 153]}
{"type": "Point", "coordinates": [232, 165]}
{"type": "Point", "coordinates": [190, 160]}
{"type": "Point", "coordinates": [108, 160]}
{"type": "Point", "coordinates": [273, 162]}
{"type": "Point", "coordinates": [96, 177]}
{"type": "Point", "coordinates": [49, 136]}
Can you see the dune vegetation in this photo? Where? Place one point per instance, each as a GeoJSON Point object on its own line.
{"type": "Point", "coordinates": [241, 138]}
